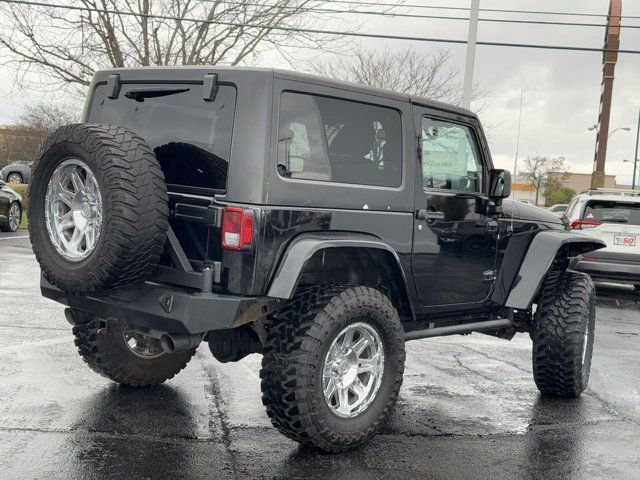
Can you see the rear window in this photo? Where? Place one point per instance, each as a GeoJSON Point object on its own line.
{"type": "Point", "coordinates": [190, 137]}
{"type": "Point", "coordinates": [612, 212]}
{"type": "Point", "coordinates": [333, 140]}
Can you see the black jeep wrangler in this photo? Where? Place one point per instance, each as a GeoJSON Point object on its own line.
{"type": "Point", "coordinates": [319, 223]}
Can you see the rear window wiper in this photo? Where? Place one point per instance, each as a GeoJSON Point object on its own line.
{"type": "Point", "coordinates": [139, 94]}
{"type": "Point", "coordinates": [614, 220]}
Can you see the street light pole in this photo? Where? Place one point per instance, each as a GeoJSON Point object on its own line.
{"type": "Point", "coordinates": [515, 162]}
{"type": "Point", "coordinates": [471, 54]}
{"type": "Point", "coordinates": [635, 155]}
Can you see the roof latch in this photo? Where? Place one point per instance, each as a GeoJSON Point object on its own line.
{"type": "Point", "coordinates": [210, 87]}
{"type": "Point", "coordinates": [113, 86]}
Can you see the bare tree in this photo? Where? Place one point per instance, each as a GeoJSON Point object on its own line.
{"type": "Point", "coordinates": [539, 170]}
{"type": "Point", "coordinates": [406, 71]}
{"type": "Point", "coordinates": [66, 46]}
{"type": "Point", "coordinates": [21, 141]}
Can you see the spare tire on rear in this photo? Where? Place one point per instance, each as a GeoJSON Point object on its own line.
{"type": "Point", "coordinates": [98, 209]}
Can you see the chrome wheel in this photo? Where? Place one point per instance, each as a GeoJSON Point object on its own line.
{"type": "Point", "coordinates": [73, 210]}
{"type": "Point", "coordinates": [14, 217]}
{"type": "Point", "coordinates": [14, 178]}
{"type": "Point", "coordinates": [142, 345]}
{"type": "Point", "coordinates": [352, 371]}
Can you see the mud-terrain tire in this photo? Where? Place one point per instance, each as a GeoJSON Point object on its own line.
{"type": "Point", "coordinates": [134, 208]}
{"type": "Point", "coordinates": [298, 342]}
{"type": "Point", "coordinates": [563, 333]}
{"type": "Point", "coordinates": [108, 354]}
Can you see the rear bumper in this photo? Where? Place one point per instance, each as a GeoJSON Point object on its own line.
{"type": "Point", "coordinates": [162, 308]}
{"type": "Point", "coordinates": [609, 266]}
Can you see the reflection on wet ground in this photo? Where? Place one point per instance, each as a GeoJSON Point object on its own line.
{"type": "Point", "coordinates": [468, 408]}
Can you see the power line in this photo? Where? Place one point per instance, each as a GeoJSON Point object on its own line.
{"type": "Point", "coordinates": [495, 10]}
{"type": "Point", "coordinates": [316, 31]}
{"type": "Point", "coordinates": [415, 15]}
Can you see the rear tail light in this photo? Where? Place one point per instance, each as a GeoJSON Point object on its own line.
{"type": "Point", "coordinates": [237, 228]}
{"type": "Point", "coordinates": [580, 224]}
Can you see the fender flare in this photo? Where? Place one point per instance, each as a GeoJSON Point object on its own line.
{"type": "Point", "coordinates": [303, 247]}
{"type": "Point", "coordinates": [522, 273]}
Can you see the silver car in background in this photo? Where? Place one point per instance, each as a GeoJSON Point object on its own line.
{"type": "Point", "coordinates": [614, 217]}
{"type": "Point", "coordinates": [16, 172]}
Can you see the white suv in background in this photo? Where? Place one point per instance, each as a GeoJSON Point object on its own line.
{"type": "Point", "coordinates": [614, 217]}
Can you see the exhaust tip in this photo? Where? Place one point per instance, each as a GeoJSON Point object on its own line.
{"type": "Point", "coordinates": [179, 343]}
{"type": "Point", "coordinates": [167, 343]}
{"type": "Point", "coordinates": [68, 314]}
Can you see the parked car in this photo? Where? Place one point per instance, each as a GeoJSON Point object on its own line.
{"type": "Point", "coordinates": [558, 209]}
{"type": "Point", "coordinates": [612, 216]}
{"type": "Point", "coordinates": [10, 208]}
{"type": "Point", "coordinates": [530, 202]}
{"type": "Point", "coordinates": [319, 223]}
{"type": "Point", "coordinates": [16, 172]}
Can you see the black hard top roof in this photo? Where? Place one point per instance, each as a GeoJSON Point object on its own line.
{"type": "Point", "coordinates": [195, 73]}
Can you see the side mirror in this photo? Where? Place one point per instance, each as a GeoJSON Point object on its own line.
{"type": "Point", "coordinates": [499, 185]}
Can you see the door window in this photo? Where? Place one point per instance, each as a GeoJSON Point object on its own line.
{"type": "Point", "coordinates": [450, 158]}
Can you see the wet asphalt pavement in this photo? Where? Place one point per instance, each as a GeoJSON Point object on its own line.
{"type": "Point", "coordinates": [468, 408]}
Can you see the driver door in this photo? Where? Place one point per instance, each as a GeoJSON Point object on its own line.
{"type": "Point", "coordinates": [454, 249]}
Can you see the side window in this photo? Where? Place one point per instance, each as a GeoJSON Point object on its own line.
{"type": "Point", "coordinates": [328, 139]}
{"type": "Point", "coordinates": [571, 209]}
{"type": "Point", "coordinates": [450, 159]}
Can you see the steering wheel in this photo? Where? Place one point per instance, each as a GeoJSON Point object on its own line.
{"type": "Point", "coordinates": [464, 183]}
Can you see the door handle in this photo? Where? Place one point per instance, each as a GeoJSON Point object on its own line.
{"type": "Point", "coordinates": [429, 215]}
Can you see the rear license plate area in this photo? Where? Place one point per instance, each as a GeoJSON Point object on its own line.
{"type": "Point", "coordinates": [625, 240]}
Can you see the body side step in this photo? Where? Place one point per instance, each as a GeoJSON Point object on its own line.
{"type": "Point", "coordinates": [462, 328]}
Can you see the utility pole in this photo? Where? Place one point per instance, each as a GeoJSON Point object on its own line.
{"type": "Point", "coordinates": [609, 59]}
{"type": "Point", "coordinates": [635, 155]}
{"type": "Point", "coordinates": [471, 54]}
{"type": "Point", "coordinates": [515, 162]}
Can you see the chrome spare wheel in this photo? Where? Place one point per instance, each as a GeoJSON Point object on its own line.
{"type": "Point", "coordinates": [143, 345]}
{"type": "Point", "coordinates": [73, 206]}
{"type": "Point", "coordinates": [352, 371]}
{"type": "Point", "coordinates": [14, 217]}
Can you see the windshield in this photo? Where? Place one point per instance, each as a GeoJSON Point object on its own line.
{"type": "Point", "coordinates": [191, 137]}
{"type": "Point", "coordinates": [613, 212]}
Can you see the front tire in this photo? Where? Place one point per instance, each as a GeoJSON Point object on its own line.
{"type": "Point", "coordinates": [301, 360]}
{"type": "Point", "coordinates": [563, 334]}
{"type": "Point", "coordinates": [128, 358]}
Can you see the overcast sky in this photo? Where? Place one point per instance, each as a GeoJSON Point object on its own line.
{"type": "Point", "coordinates": [561, 89]}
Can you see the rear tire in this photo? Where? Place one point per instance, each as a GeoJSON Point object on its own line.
{"type": "Point", "coordinates": [14, 218]}
{"type": "Point", "coordinates": [108, 354]}
{"type": "Point", "coordinates": [563, 334]}
{"type": "Point", "coordinates": [14, 178]}
{"type": "Point", "coordinates": [295, 365]}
